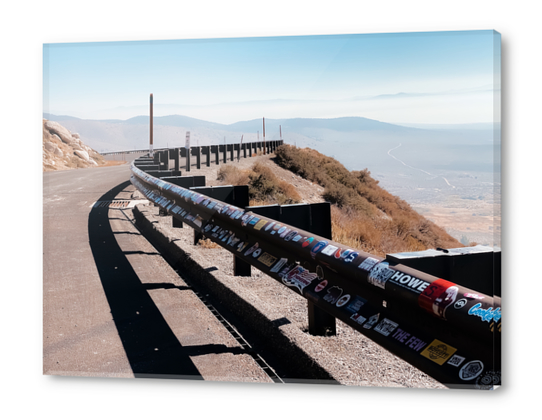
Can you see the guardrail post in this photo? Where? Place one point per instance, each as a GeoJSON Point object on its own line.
{"type": "Point", "coordinates": [217, 155]}
{"type": "Point", "coordinates": [187, 160]}
{"type": "Point", "coordinates": [320, 322]}
{"type": "Point", "coordinates": [177, 223]}
{"type": "Point", "coordinates": [314, 218]}
{"type": "Point", "coordinates": [206, 150]}
{"type": "Point", "coordinates": [197, 152]}
{"type": "Point", "coordinates": [165, 159]}
{"type": "Point", "coordinates": [241, 200]}
{"type": "Point", "coordinates": [237, 196]}
{"type": "Point", "coordinates": [250, 149]}
{"type": "Point", "coordinates": [176, 158]}
{"type": "Point", "coordinates": [185, 182]}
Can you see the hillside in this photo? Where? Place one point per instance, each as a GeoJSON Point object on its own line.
{"type": "Point", "coordinates": [65, 150]}
{"type": "Point", "coordinates": [364, 215]}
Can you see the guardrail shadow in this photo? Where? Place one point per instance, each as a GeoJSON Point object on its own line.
{"type": "Point", "coordinates": [152, 348]}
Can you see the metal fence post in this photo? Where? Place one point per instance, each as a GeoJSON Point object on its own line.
{"type": "Point", "coordinates": [320, 322]}
{"type": "Point", "coordinates": [208, 157]}
{"type": "Point", "coordinates": [198, 157]}
{"type": "Point", "coordinates": [176, 158]}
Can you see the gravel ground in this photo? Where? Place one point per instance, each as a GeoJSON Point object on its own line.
{"type": "Point", "coordinates": [349, 357]}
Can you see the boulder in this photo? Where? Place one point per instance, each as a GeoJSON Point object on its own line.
{"type": "Point", "coordinates": [60, 131]}
{"type": "Point", "coordinates": [58, 152]}
{"type": "Point", "coordinates": [82, 154]}
{"type": "Point", "coordinates": [50, 147]}
{"type": "Point", "coordinates": [59, 143]}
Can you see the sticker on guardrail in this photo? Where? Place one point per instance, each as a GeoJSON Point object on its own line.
{"type": "Point", "coordinates": [438, 296]}
{"type": "Point", "coordinates": [379, 275]}
{"type": "Point", "coordinates": [438, 352]}
{"type": "Point", "coordinates": [299, 278]}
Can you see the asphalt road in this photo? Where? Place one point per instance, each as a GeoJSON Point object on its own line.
{"type": "Point", "coordinates": [112, 307]}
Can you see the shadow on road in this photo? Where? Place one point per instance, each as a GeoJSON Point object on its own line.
{"type": "Point", "coordinates": [152, 349]}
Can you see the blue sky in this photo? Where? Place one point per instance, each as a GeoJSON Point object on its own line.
{"type": "Point", "coordinates": [449, 77]}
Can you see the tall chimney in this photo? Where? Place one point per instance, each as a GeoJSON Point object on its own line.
{"type": "Point", "coordinates": [150, 144]}
{"type": "Point", "coordinates": [264, 136]}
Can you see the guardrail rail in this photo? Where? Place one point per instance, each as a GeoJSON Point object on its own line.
{"type": "Point", "coordinates": [446, 330]}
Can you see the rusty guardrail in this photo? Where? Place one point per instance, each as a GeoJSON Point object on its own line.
{"type": "Point", "coordinates": [448, 331]}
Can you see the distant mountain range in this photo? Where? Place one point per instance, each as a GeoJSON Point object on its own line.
{"type": "Point", "coordinates": [170, 131]}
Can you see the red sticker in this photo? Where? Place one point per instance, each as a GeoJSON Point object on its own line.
{"type": "Point", "coordinates": [438, 296]}
{"type": "Point", "coordinates": [321, 286]}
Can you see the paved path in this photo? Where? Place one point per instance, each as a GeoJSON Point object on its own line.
{"type": "Point", "coordinates": [112, 306]}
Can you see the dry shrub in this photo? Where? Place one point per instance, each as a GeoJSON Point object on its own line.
{"type": "Point", "coordinates": [351, 230]}
{"type": "Point", "coordinates": [265, 186]}
{"type": "Point", "coordinates": [208, 244]}
{"type": "Point", "coordinates": [231, 175]}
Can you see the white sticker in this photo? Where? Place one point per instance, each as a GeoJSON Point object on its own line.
{"type": "Point", "coordinates": [329, 250]}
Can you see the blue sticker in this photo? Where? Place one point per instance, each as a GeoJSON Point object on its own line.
{"type": "Point", "coordinates": [290, 235]}
{"type": "Point", "coordinates": [318, 247]}
{"type": "Point", "coordinates": [351, 257]}
{"type": "Point", "coordinates": [346, 253]}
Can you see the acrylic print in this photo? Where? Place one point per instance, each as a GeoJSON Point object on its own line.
{"type": "Point", "coordinates": [308, 209]}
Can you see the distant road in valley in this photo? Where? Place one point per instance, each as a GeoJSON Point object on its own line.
{"type": "Point", "coordinates": [417, 169]}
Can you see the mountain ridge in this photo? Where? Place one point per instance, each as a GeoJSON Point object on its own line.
{"type": "Point", "coordinates": [133, 133]}
{"type": "Point", "coordinates": [352, 122]}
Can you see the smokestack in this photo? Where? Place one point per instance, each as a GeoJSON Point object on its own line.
{"type": "Point", "coordinates": [150, 144]}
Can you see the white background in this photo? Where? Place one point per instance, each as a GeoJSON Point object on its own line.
{"type": "Point", "coordinates": [26, 393]}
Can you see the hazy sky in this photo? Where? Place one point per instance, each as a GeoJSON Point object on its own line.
{"type": "Point", "coordinates": [450, 77]}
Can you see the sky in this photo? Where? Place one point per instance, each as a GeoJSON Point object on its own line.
{"type": "Point", "coordinates": [429, 78]}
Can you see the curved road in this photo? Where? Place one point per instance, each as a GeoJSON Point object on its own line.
{"type": "Point", "coordinates": [111, 305]}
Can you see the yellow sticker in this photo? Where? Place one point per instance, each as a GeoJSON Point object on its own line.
{"type": "Point", "coordinates": [260, 224]}
{"type": "Point", "coordinates": [267, 259]}
{"type": "Point", "coordinates": [438, 352]}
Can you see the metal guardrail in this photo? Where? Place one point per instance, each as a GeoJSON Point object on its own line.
{"type": "Point", "coordinates": [221, 151]}
{"type": "Point", "coordinates": [448, 331]}
{"type": "Point", "coordinates": [126, 152]}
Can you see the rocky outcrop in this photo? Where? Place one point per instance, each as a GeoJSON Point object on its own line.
{"type": "Point", "coordinates": [65, 150]}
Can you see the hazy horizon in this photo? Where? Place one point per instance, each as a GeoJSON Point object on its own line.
{"type": "Point", "coordinates": [417, 78]}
